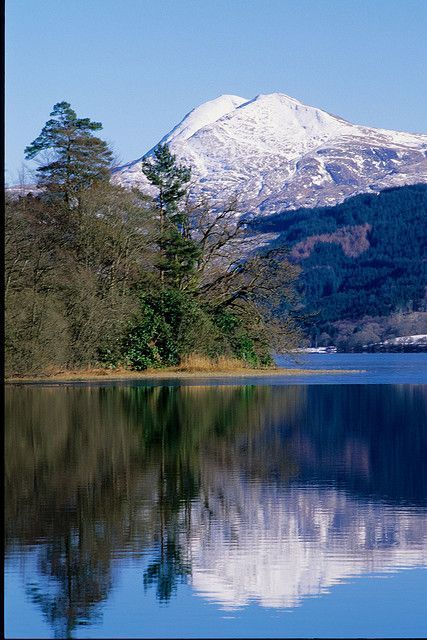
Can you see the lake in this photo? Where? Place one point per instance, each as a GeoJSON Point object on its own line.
{"type": "Point", "coordinates": [264, 507]}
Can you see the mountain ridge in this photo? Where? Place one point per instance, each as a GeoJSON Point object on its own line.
{"type": "Point", "coordinates": [276, 153]}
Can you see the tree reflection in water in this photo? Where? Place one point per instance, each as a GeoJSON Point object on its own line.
{"type": "Point", "coordinates": [93, 474]}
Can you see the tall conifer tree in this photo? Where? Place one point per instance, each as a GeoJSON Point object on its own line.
{"type": "Point", "coordinates": [75, 157]}
{"type": "Point", "coordinates": [180, 251]}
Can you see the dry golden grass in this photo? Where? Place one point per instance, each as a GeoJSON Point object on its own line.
{"type": "Point", "coordinates": [195, 365]}
{"type": "Point", "coordinates": [196, 362]}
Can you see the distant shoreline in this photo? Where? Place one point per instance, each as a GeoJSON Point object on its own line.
{"type": "Point", "coordinates": [163, 374]}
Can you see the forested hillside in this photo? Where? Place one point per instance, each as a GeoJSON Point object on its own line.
{"type": "Point", "coordinates": [363, 263]}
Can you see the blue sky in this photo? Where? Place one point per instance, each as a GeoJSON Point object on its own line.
{"type": "Point", "coordinates": [139, 65]}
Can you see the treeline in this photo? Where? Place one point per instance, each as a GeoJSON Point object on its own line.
{"type": "Point", "coordinates": [97, 275]}
{"type": "Point", "coordinates": [387, 273]}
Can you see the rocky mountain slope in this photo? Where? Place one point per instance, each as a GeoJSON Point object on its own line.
{"type": "Point", "coordinates": [276, 153]}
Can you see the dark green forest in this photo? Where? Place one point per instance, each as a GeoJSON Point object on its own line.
{"type": "Point", "coordinates": [364, 258]}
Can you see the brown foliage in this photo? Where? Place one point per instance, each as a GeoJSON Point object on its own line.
{"type": "Point", "coordinates": [69, 276]}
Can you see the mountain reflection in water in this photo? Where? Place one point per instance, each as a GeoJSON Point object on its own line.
{"type": "Point", "coordinates": [246, 493]}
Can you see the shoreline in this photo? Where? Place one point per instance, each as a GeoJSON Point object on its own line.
{"type": "Point", "coordinates": [67, 377]}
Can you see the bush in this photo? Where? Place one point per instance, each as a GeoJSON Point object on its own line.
{"type": "Point", "coordinates": [174, 327]}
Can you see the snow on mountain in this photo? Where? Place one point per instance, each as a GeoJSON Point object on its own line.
{"type": "Point", "coordinates": [417, 343]}
{"type": "Point", "coordinates": [208, 113]}
{"type": "Point", "coordinates": [276, 153]}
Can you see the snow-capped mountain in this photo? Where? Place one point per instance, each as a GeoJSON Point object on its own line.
{"type": "Point", "coordinates": [276, 153]}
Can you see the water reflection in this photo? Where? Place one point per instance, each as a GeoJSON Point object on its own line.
{"type": "Point", "coordinates": [278, 547]}
{"type": "Point", "coordinates": [247, 493]}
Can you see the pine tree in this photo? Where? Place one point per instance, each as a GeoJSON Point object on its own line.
{"type": "Point", "coordinates": [171, 179]}
{"type": "Point", "coordinates": [180, 251]}
{"type": "Point", "coordinates": [76, 158]}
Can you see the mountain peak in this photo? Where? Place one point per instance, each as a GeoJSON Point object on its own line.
{"type": "Point", "coordinates": [204, 115]}
{"type": "Point", "coordinates": [277, 97]}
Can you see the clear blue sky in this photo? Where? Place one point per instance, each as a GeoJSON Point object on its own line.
{"type": "Point", "coordinates": [139, 65]}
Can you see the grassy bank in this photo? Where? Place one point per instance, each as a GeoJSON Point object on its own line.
{"type": "Point", "coordinates": [191, 367]}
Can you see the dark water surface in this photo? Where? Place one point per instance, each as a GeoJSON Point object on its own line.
{"type": "Point", "coordinates": [216, 511]}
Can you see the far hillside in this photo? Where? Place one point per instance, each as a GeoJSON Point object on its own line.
{"type": "Point", "coordinates": [363, 265]}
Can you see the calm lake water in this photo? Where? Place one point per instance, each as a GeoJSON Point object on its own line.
{"type": "Point", "coordinates": [256, 508]}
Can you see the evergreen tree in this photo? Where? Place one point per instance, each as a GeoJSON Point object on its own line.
{"type": "Point", "coordinates": [179, 251]}
{"type": "Point", "coordinates": [76, 158]}
{"type": "Point", "coordinates": [170, 179]}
